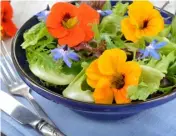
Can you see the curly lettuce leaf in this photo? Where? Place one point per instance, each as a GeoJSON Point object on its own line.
{"type": "Point", "coordinates": [75, 90]}
{"type": "Point", "coordinates": [109, 42]}
{"type": "Point", "coordinates": [107, 5]}
{"type": "Point", "coordinates": [112, 39]}
{"type": "Point", "coordinates": [43, 66]}
{"type": "Point", "coordinates": [111, 24]}
{"type": "Point", "coordinates": [110, 27]}
{"type": "Point", "coordinates": [120, 9]}
{"type": "Point", "coordinates": [163, 64]}
{"type": "Point", "coordinates": [38, 45]}
{"type": "Point", "coordinates": [165, 61]}
{"type": "Point", "coordinates": [149, 83]}
{"type": "Point", "coordinates": [34, 34]}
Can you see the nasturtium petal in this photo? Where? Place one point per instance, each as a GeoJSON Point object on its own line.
{"type": "Point", "coordinates": [143, 20]}
{"type": "Point", "coordinates": [103, 95]}
{"type": "Point", "coordinates": [111, 60]}
{"type": "Point", "coordinates": [132, 72]}
{"type": "Point", "coordinates": [92, 83]}
{"type": "Point", "coordinates": [87, 16]}
{"type": "Point", "coordinates": [121, 96]}
{"type": "Point", "coordinates": [103, 83]}
{"type": "Point", "coordinates": [128, 29]}
{"type": "Point", "coordinates": [93, 72]}
{"type": "Point", "coordinates": [75, 36]}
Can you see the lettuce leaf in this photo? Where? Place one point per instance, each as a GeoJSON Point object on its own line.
{"type": "Point", "coordinates": [34, 34]}
{"type": "Point", "coordinates": [95, 29]}
{"type": "Point", "coordinates": [107, 31]}
{"type": "Point", "coordinates": [167, 89]}
{"type": "Point", "coordinates": [110, 27]}
{"type": "Point", "coordinates": [109, 42]}
{"type": "Point", "coordinates": [166, 31]}
{"type": "Point", "coordinates": [171, 77]}
{"type": "Point", "coordinates": [38, 45]}
{"type": "Point", "coordinates": [172, 69]}
{"type": "Point", "coordinates": [165, 61]}
{"type": "Point", "coordinates": [173, 30]}
{"type": "Point", "coordinates": [55, 76]}
{"type": "Point", "coordinates": [107, 5]}
{"type": "Point", "coordinates": [120, 9]}
{"type": "Point", "coordinates": [163, 64]}
{"type": "Point", "coordinates": [75, 90]}
{"type": "Point", "coordinates": [149, 83]}
{"type": "Point", "coordinates": [111, 24]}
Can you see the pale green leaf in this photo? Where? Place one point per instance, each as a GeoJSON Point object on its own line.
{"type": "Point", "coordinates": [120, 9]}
{"type": "Point", "coordinates": [149, 83]}
{"type": "Point", "coordinates": [162, 64]}
{"type": "Point", "coordinates": [107, 5]}
{"type": "Point", "coordinates": [111, 24]}
{"type": "Point", "coordinates": [166, 31]}
{"type": "Point", "coordinates": [34, 34]}
{"type": "Point", "coordinates": [173, 27]}
{"type": "Point", "coordinates": [95, 29]}
{"type": "Point", "coordinates": [165, 61]}
{"type": "Point", "coordinates": [75, 90]}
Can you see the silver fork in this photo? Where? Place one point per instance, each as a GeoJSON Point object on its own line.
{"type": "Point", "coordinates": [14, 83]}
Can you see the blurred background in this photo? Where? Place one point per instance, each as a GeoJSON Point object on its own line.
{"type": "Point", "coordinates": [24, 9]}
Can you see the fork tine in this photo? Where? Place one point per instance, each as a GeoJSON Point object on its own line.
{"type": "Point", "coordinates": [5, 76]}
{"type": "Point", "coordinates": [7, 63]}
{"type": "Point", "coordinates": [165, 4]}
{"type": "Point", "coordinates": [6, 52]}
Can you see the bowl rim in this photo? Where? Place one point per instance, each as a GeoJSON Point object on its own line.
{"type": "Point", "coordinates": [36, 84]}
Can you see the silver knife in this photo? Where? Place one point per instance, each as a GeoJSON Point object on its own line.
{"type": "Point", "coordinates": [20, 113]}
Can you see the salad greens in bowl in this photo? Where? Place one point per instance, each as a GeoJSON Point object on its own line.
{"type": "Point", "coordinates": [98, 58]}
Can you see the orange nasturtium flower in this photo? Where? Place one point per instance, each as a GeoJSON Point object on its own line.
{"type": "Point", "coordinates": [111, 75]}
{"type": "Point", "coordinates": [8, 28]}
{"type": "Point", "coordinates": [71, 24]}
{"type": "Point", "coordinates": [143, 20]}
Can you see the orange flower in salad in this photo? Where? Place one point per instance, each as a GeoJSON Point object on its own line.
{"type": "Point", "coordinates": [71, 24]}
{"type": "Point", "coordinates": [8, 28]}
{"type": "Point", "coordinates": [143, 20]}
{"type": "Point", "coordinates": [111, 75]}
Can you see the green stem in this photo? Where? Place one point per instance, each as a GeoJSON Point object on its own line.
{"type": "Point", "coordinates": [134, 55]}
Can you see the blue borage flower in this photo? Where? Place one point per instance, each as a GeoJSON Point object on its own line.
{"type": "Point", "coordinates": [151, 49]}
{"type": "Point", "coordinates": [65, 53]}
{"type": "Point", "coordinates": [105, 12]}
{"type": "Point", "coordinates": [43, 15]}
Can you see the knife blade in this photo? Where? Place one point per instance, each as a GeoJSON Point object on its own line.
{"type": "Point", "coordinates": [20, 113]}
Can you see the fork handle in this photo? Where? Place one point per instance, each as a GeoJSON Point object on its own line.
{"type": "Point", "coordinates": [37, 108]}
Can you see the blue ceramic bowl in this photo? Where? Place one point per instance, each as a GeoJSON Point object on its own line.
{"type": "Point", "coordinates": [97, 111]}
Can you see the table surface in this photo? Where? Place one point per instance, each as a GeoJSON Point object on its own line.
{"type": "Point", "coordinates": [25, 9]}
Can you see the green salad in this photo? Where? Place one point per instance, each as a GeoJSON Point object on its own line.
{"type": "Point", "coordinates": [103, 56]}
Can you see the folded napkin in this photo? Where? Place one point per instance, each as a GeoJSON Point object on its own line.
{"type": "Point", "coordinates": [159, 121]}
